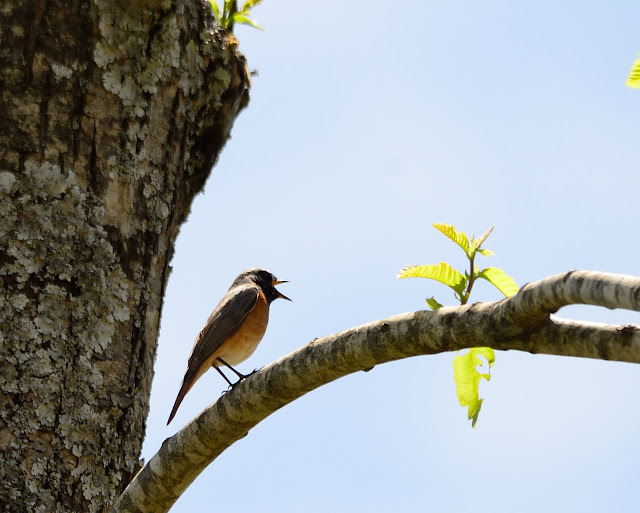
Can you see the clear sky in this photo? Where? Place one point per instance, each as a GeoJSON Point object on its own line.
{"type": "Point", "coordinates": [368, 122]}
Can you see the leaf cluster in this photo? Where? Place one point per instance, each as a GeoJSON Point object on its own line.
{"type": "Point", "coordinates": [465, 366]}
{"type": "Point", "coordinates": [230, 14]}
{"type": "Point", "coordinates": [462, 283]}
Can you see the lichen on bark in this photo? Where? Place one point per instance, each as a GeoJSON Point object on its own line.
{"type": "Point", "coordinates": [111, 116]}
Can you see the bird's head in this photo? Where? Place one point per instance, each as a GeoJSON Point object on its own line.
{"type": "Point", "coordinates": [265, 280]}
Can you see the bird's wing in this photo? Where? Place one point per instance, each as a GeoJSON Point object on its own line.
{"type": "Point", "coordinates": [224, 322]}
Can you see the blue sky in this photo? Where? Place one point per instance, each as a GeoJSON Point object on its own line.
{"type": "Point", "coordinates": [368, 122]}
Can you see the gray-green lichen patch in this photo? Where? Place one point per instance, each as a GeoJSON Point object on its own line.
{"type": "Point", "coordinates": [192, 79]}
{"type": "Point", "coordinates": [61, 72]}
{"type": "Point", "coordinates": [125, 88]}
{"type": "Point", "coordinates": [90, 204]}
{"type": "Point", "coordinates": [63, 295]}
{"type": "Point", "coordinates": [146, 78]}
{"type": "Point", "coordinates": [7, 181]}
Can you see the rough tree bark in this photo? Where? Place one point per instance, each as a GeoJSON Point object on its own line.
{"type": "Point", "coordinates": [112, 113]}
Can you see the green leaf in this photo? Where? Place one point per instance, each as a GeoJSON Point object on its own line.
{"type": "Point", "coordinates": [486, 252]}
{"type": "Point", "coordinates": [460, 238]}
{"type": "Point", "coordinates": [241, 18]}
{"type": "Point", "coordinates": [250, 4]}
{"type": "Point", "coordinates": [634, 75]}
{"type": "Point", "coordinates": [433, 304]}
{"type": "Point", "coordinates": [442, 272]}
{"type": "Point", "coordinates": [467, 378]}
{"type": "Point", "coordinates": [500, 280]}
{"type": "Point", "coordinates": [216, 10]}
{"type": "Point", "coordinates": [489, 354]}
{"type": "Point", "coordinates": [476, 243]}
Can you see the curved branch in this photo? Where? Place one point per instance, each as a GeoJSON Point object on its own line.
{"type": "Point", "coordinates": [521, 322]}
{"type": "Point", "coordinates": [536, 300]}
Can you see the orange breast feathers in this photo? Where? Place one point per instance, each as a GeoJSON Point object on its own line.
{"type": "Point", "coordinates": [237, 348]}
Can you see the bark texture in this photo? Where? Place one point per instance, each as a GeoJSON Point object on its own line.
{"type": "Point", "coordinates": [111, 116]}
{"type": "Point", "coordinates": [522, 322]}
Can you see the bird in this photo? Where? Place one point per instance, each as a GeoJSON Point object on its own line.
{"type": "Point", "coordinates": [233, 330]}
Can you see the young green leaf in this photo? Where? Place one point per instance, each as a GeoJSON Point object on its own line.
{"type": "Point", "coordinates": [467, 378]}
{"type": "Point", "coordinates": [476, 243]}
{"type": "Point", "coordinates": [216, 11]}
{"type": "Point", "coordinates": [230, 15]}
{"type": "Point", "coordinates": [500, 280]}
{"type": "Point", "coordinates": [250, 4]}
{"type": "Point", "coordinates": [442, 272]}
{"type": "Point", "coordinates": [433, 304]}
{"type": "Point", "coordinates": [485, 252]}
{"type": "Point", "coordinates": [634, 75]}
{"type": "Point", "coordinates": [460, 238]}
{"type": "Point", "coordinates": [242, 18]}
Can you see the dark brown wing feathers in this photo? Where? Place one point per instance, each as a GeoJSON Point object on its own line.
{"type": "Point", "coordinates": [225, 321]}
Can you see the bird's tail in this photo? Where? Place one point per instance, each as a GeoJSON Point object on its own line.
{"type": "Point", "coordinates": [186, 386]}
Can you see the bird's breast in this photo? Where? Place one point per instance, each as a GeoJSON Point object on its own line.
{"type": "Point", "coordinates": [243, 343]}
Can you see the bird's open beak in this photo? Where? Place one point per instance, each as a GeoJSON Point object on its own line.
{"type": "Point", "coordinates": [280, 294]}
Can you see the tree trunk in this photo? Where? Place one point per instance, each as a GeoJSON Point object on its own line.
{"type": "Point", "coordinates": [111, 116]}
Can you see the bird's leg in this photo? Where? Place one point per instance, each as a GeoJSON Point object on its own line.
{"type": "Point", "coordinates": [239, 374]}
{"type": "Point", "coordinates": [225, 378]}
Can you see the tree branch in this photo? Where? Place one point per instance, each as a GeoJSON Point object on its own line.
{"type": "Point", "coordinates": [522, 322]}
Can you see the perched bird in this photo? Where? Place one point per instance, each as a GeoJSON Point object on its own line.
{"type": "Point", "coordinates": [234, 329]}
